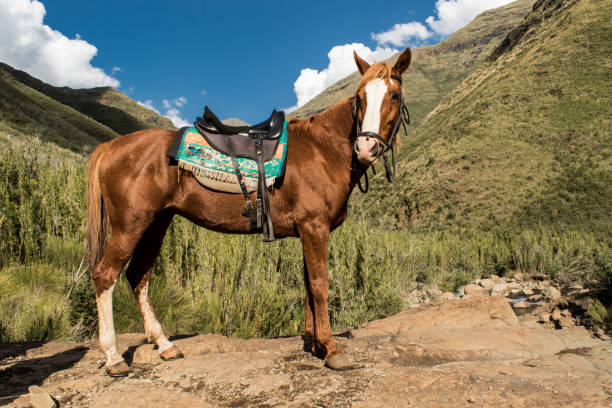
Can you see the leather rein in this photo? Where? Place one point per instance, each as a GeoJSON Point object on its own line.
{"type": "Point", "coordinates": [402, 118]}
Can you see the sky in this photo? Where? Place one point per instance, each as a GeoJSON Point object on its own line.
{"type": "Point", "coordinates": [241, 58]}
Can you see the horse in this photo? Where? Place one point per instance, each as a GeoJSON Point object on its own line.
{"type": "Point", "coordinates": [134, 190]}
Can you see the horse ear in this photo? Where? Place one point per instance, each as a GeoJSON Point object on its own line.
{"type": "Point", "coordinates": [361, 64]}
{"type": "Point", "coordinates": [403, 62]}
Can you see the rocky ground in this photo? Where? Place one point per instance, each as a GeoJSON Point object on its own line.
{"type": "Point", "coordinates": [469, 349]}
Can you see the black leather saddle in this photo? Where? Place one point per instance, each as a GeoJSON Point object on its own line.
{"type": "Point", "coordinates": [272, 128]}
{"type": "Point", "coordinates": [238, 141]}
{"type": "Point", "coordinates": [258, 143]}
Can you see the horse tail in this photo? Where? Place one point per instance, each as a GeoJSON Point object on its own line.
{"type": "Point", "coordinates": [97, 217]}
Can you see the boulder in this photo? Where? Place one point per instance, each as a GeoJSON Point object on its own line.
{"type": "Point", "coordinates": [475, 290]}
{"type": "Point", "coordinates": [551, 292]}
{"type": "Point", "coordinates": [487, 284]}
{"type": "Point", "coordinates": [544, 317]}
{"type": "Point", "coordinates": [415, 297]}
{"type": "Point", "coordinates": [499, 289]}
{"type": "Point", "coordinates": [433, 293]}
{"type": "Point", "coordinates": [566, 322]}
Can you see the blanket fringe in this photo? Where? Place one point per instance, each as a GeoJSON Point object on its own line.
{"type": "Point", "coordinates": [219, 178]}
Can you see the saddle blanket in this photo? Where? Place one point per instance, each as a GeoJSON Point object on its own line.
{"type": "Point", "coordinates": [215, 170]}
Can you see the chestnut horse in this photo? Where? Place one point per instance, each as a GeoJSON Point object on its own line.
{"type": "Point", "coordinates": [134, 190]}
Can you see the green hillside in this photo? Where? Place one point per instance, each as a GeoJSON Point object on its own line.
{"type": "Point", "coordinates": [524, 139]}
{"type": "Point", "coordinates": [78, 119]}
{"type": "Point", "coordinates": [104, 104]}
{"type": "Point", "coordinates": [437, 69]}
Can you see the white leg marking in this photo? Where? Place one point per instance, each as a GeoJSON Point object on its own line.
{"type": "Point", "coordinates": [375, 93]}
{"type": "Point", "coordinates": [152, 327]}
{"type": "Point", "coordinates": [106, 327]}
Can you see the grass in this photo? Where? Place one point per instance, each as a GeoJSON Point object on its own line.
{"type": "Point", "coordinates": [204, 282]}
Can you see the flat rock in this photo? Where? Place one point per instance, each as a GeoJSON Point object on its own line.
{"type": "Point", "coordinates": [438, 355]}
{"type": "Point", "coordinates": [39, 398]}
{"type": "Point", "coordinates": [521, 305]}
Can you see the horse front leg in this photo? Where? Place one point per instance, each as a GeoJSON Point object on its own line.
{"type": "Point", "coordinates": [315, 240]}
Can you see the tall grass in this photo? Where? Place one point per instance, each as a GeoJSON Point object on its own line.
{"type": "Point", "coordinates": [236, 285]}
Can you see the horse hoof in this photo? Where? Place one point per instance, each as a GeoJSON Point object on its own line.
{"type": "Point", "coordinates": [172, 353]}
{"type": "Point", "coordinates": [339, 362]}
{"type": "Point", "coordinates": [120, 369]}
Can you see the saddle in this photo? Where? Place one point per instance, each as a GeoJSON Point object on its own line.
{"type": "Point", "coordinates": [270, 128]}
{"type": "Point", "coordinates": [239, 140]}
{"type": "Point", "coordinates": [259, 143]}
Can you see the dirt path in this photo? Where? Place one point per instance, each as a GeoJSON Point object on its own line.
{"type": "Point", "coordinates": [470, 352]}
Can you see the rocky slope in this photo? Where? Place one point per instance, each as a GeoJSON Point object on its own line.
{"type": "Point", "coordinates": [469, 351]}
{"type": "Point", "coordinates": [437, 69]}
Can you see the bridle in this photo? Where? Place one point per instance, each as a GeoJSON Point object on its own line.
{"type": "Point", "coordinates": [402, 118]}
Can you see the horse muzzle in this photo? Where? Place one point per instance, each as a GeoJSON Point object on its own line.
{"type": "Point", "coordinates": [368, 148]}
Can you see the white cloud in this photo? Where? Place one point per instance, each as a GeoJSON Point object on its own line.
{"type": "Point", "coordinates": [116, 69]}
{"type": "Point", "coordinates": [311, 82]}
{"type": "Point", "coordinates": [402, 34]}
{"type": "Point", "coordinates": [175, 116]}
{"type": "Point", "coordinates": [203, 92]}
{"type": "Point", "coordinates": [173, 112]}
{"type": "Point", "coordinates": [451, 15]}
{"type": "Point", "coordinates": [28, 44]}
{"type": "Point", "coordinates": [180, 101]}
{"type": "Point", "coordinates": [455, 14]}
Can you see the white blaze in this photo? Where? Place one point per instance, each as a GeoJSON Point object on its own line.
{"type": "Point", "coordinates": [375, 93]}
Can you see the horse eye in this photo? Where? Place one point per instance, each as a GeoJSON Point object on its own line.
{"type": "Point", "coordinates": [395, 96]}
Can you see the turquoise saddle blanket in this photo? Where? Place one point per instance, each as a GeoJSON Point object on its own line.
{"type": "Point", "coordinates": [215, 170]}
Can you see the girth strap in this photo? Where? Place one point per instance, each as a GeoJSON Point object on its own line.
{"type": "Point", "coordinates": [249, 210]}
{"type": "Point", "coordinates": [262, 203]}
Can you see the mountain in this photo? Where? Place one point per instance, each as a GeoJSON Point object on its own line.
{"type": "Point", "coordinates": [437, 69]}
{"type": "Point", "coordinates": [524, 141]}
{"type": "Point", "coordinates": [78, 119]}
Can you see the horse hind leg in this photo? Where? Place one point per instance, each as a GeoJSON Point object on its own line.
{"type": "Point", "coordinates": [138, 275]}
{"type": "Point", "coordinates": [105, 276]}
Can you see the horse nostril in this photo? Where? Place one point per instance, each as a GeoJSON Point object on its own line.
{"type": "Point", "coordinates": [374, 149]}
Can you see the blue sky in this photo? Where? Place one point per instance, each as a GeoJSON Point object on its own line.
{"type": "Point", "coordinates": [241, 58]}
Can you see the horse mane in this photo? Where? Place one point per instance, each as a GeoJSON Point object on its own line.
{"type": "Point", "coordinates": [378, 70]}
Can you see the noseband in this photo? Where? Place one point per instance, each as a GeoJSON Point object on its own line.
{"type": "Point", "coordinates": [402, 118]}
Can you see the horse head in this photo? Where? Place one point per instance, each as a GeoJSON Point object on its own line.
{"type": "Point", "coordinates": [378, 107]}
